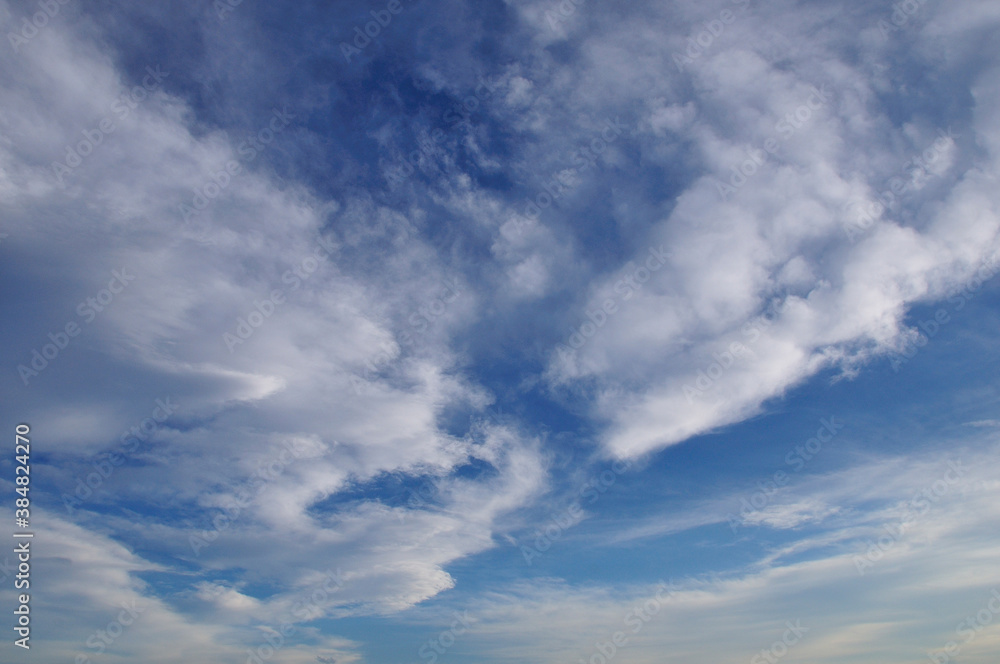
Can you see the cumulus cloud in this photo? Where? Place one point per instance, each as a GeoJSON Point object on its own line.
{"type": "Point", "coordinates": [637, 225]}
{"type": "Point", "coordinates": [791, 157]}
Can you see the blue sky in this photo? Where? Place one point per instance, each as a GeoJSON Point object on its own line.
{"type": "Point", "coordinates": [506, 332]}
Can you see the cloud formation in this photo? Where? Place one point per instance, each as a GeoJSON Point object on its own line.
{"type": "Point", "coordinates": [314, 336]}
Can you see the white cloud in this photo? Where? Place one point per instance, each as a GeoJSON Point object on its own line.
{"type": "Point", "coordinates": [334, 361]}
{"type": "Point", "coordinates": [362, 358]}
{"type": "Point", "coordinates": [790, 516]}
{"type": "Point", "coordinates": [777, 232]}
{"type": "Point", "coordinates": [906, 603]}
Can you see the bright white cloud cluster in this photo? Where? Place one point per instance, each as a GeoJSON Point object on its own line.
{"type": "Point", "coordinates": [791, 154]}
{"type": "Point", "coordinates": [666, 214]}
{"type": "Point", "coordinates": [291, 378]}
